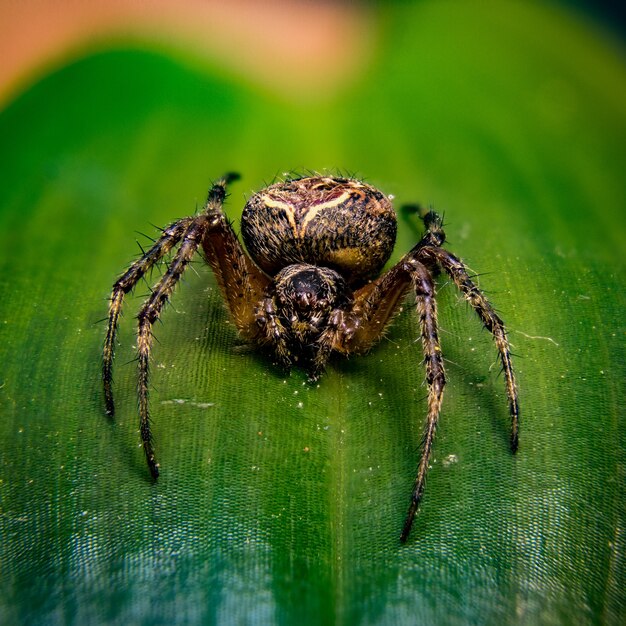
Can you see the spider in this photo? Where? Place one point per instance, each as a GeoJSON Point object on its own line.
{"type": "Point", "coordinates": [310, 285]}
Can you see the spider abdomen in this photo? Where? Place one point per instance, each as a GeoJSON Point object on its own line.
{"type": "Point", "coordinates": [340, 223]}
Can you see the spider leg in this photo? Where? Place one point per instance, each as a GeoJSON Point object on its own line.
{"type": "Point", "coordinates": [374, 306]}
{"type": "Point", "coordinates": [204, 229]}
{"type": "Point", "coordinates": [455, 268]}
{"type": "Point", "coordinates": [125, 283]}
{"type": "Point", "coordinates": [242, 283]}
{"type": "Point", "coordinates": [272, 331]}
{"type": "Point", "coordinates": [435, 378]}
{"type": "Point", "coordinates": [190, 233]}
{"type": "Point", "coordinates": [327, 342]}
{"type": "Point", "coordinates": [148, 315]}
{"type": "Point", "coordinates": [376, 303]}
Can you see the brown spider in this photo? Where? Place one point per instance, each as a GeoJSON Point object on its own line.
{"type": "Point", "coordinates": [310, 286]}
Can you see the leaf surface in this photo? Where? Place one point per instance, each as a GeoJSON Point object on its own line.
{"type": "Point", "coordinates": [281, 501]}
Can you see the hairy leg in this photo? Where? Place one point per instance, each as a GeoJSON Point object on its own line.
{"type": "Point", "coordinates": [169, 238]}
{"type": "Point", "coordinates": [148, 315]}
{"type": "Point", "coordinates": [435, 379]}
{"type": "Point", "coordinates": [374, 306]}
{"type": "Point", "coordinates": [190, 233]}
{"type": "Point", "coordinates": [271, 332]}
{"type": "Point", "coordinates": [455, 268]}
{"type": "Point", "coordinates": [241, 282]}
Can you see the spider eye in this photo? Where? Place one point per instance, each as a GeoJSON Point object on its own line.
{"type": "Point", "coordinates": [303, 288]}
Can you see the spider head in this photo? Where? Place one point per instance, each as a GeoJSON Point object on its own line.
{"type": "Point", "coordinates": [305, 296]}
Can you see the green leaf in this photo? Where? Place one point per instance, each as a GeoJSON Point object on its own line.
{"type": "Point", "coordinates": [282, 501]}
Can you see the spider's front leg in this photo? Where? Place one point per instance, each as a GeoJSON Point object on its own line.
{"type": "Point", "coordinates": [239, 279]}
{"type": "Point", "coordinates": [374, 306]}
{"type": "Point", "coordinates": [190, 233]}
{"type": "Point", "coordinates": [435, 379]}
{"type": "Point", "coordinates": [148, 315]}
{"type": "Point", "coordinates": [272, 331]}
{"type": "Point", "coordinates": [242, 284]}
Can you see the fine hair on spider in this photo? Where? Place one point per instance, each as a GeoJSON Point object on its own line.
{"type": "Point", "coordinates": [309, 285]}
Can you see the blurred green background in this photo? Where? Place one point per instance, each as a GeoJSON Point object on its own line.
{"type": "Point", "coordinates": [281, 502]}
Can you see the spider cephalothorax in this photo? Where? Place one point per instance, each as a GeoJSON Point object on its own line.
{"type": "Point", "coordinates": [302, 304]}
{"type": "Point", "coordinates": [310, 286]}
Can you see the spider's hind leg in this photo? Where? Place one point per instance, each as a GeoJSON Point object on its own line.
{"type": "Point", "coordinates": [169, 238]}
{"type": "Point", "coordinates": [457, 271]}
{"type": "Point", "coordinates": [433, 222]}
